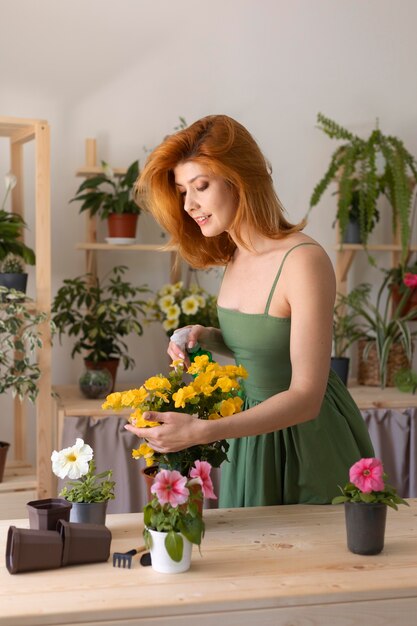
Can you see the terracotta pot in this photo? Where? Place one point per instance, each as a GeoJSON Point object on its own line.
{"type": "Point", "coordinates": [122, 225]}
{"type": "Point", "coordinates": [148, 474]}
{"type": "Point", "coordinates": [111, 365]}
{"type": "Point", "coordinates": [4, 448]}
{"type": "Point", "coordinates": [365, 527]}
{"type": "Point", "coordinates": [410, 304]}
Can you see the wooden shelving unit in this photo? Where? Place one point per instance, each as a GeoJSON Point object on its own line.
{"type": "Point", "coordinates": [22, 482]}
{"type": "Point", "coordinates": [91, 246]}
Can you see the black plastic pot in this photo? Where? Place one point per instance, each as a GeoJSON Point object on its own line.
{"type": "Point", "coordinates": [28, 550]}
{"type": "Point", "coordinates": [84, 543]}
{"type": "Point", "coordinates": [45, 514]}
{"type": "Point", "coordinates": [340, 365]}
{"type": "Point", "coordinates": [365, 527]}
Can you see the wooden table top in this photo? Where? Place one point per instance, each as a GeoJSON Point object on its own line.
{"type": "Point", "coordinates": [269, 565]}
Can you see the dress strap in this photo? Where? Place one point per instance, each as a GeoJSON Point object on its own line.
{"type": "Point", "coordinates": [271, 293]}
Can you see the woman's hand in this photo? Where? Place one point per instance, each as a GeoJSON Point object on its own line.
{"type": "Point", "coordinates": [177, 431]}
{"type": "Point", "coordinates": [178, 352]}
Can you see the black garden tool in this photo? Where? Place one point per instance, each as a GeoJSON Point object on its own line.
{"type": "Point", "coordinates": [124, 559]}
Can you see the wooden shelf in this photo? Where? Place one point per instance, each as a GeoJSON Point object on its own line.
{"type": "Point", "coordinates": [112, 246]}
{"type": "Point", "coordinates": [383, 247]}
{"type": "Point", "coordinates": [95, 170]}
{"type": "Point", "coordinates": [388, 398]}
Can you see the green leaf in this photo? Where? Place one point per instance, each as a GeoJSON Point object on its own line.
{"type": "Point", "coordinates": [175, 545]}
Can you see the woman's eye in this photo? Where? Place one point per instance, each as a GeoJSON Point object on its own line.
{"type": "Point", "coordinates": [203, 187]}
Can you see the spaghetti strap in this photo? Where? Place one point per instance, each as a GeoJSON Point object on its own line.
{"type": "Point", "coordinates": [274, 284]}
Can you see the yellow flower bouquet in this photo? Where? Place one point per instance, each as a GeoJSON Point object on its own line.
{"type": "Point", "coordinates": [212, 392]}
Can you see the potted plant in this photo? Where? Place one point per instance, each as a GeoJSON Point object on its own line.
{"type": "Point", "coordinates": [211, 394]}
{"type": "Point", "coordinates": [346, 331]}
{"type": "Point", "coordinates": [88, 492]}
{"type": "Point", "coordinates": [12, 248]}
{"type": "Point", "coordinates": [12, 273]}
{"type": "Point", "coordinates": [366, 498]}
{"type": "Point", "coordinates": [100, 313]}
{"type": "Point", "coordinates": [175, 306]}
{"type": "Point", "coordinates": [364, 169]}
{"type": "Point", "coordinates": [110, 197]}
{"type": "Point", "coordinates": [403, 280]}
{"type": "Point", "coordinates": [20, 337]}
{"type": "Point", "coordinates": [386, 345]}
{"type": "Point", "coordinates": [173, 519]}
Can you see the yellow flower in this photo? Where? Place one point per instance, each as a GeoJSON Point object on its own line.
{"type": "Point", "coordinates": [225, 384]}
{"type": "Point", "coordinates": [134, 397]}
{"type": "Point", "coordinates": [113, 401]}
{"type": "Point", "coordinates": [183, 395]}
{"type": "Point", "coordinates": [199, 364]}
{"type": "Point", "coordinates": [136, 418]}
{"type": "Point", "coordinates": [157, 382]}
{"type": "Point", "coordinates": [214, 416]}
{"type": "Point", "coordinates": [189, 305]}
{"type": "Point", "coordinates": [230, 406]}
{"type": "Point", "coordinates": [144, 451]}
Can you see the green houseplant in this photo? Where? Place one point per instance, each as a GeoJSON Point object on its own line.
{"type": "Point", "coordinates": [346, 331]}
{"type": "Point", "coordinates": [110, 197]}
{"type": "Point", "coordinates": [20, 337]}
{"type": "Point", "coordinates": [12, 273]}
{"type": "Point", "coordinates": [386, 337]}
{"type": "Point", "coordinates": [11, 228]}
{"type": "Point", "coordinates": [365, 169]}
{"type": "Point", "coordinates": [99, 314]}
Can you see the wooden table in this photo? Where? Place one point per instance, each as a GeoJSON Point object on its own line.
{"type": "Point", "coordinates": [268, 566]}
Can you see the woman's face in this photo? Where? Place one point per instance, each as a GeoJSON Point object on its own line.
{"type": "Point", "coordinates": [207, 197]}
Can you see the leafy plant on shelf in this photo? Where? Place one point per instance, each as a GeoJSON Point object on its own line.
{"type": "Point", "coordinates": [346, 329]}
{"type": "Point", "coordinates": [107, 193]}
{"type": "Point", "coordinates": [100, 313]}
{"type": "Point", "coordinates": [20, 337]}
{"type": "Point", "coordinates": [11, 228]}
{"type": "Point", "coordinates": [364, 170]}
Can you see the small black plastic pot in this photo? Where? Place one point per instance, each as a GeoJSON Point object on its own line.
{"type": "Point", "coordinates": [365, 527]}
{"type": "Point", "coordinates": [28, 550]}
{"type": "Point", "coordinates": [84, 543]}
{"type": "Point", "coordinates": [44, 514]}
{"type": "Point", "coordinates": [340, 365]}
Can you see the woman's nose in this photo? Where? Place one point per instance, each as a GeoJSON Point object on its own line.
{"type": "Point", "coordinates": [190, 203]}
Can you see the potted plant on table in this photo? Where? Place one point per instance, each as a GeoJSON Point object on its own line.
{"type": "Point", "coordinates": [88, 492]}
{"type": "Point", "coordinates": [100, 313]}
{"type": "Point", "coordinates": [365, 169]}
{"type": "Point", "coordinates": [20, 338]}
{"type": "Point", "coordinates": [366, 498]}
{"type": "Point", "coordinates": [173, 518]}
{"type": "Point", "coordinates": [386, 343]}
{"type": "Point", "coordinates": [175, 306]}
{"type": "Point", "coordinates": [110, 197]}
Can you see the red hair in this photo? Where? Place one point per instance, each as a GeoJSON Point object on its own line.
{"type": "Point", "coordinates": [227, 149]}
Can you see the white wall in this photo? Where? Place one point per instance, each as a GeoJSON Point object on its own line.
{"type": "Point", "coordinates": [123, 71]}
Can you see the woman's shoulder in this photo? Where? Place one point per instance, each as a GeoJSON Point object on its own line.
{"type": "Point", "coordinates": [305, 254]}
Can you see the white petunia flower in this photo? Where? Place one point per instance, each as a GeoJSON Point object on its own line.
{"type": "Point", "coordinates": [189, 305]}
{"type": "Point", "coordinates": [173, 312]}
{"type": "Point", "coordinates": [170, 324]}
{"type": "Point", "coordinates": [165, 302]}
{"type": "Point", "coordinates": [72, 462]}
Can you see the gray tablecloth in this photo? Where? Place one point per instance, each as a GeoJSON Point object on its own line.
{"type": "Point", "coordinates": [393, 433]}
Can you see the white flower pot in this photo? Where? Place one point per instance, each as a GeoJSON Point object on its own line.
{"type": "Point", "coordinates": [161, 561]}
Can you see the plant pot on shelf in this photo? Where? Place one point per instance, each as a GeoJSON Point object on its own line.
{"type": "Point", "coordinates": [411, 303]}
{"type": "Point", "coordinates": [161, 561]}
{"type": "Point", "coordinates": [368, 368]}
{"type": "Point", "coordinates": [89, 512]}
{"type": "Point", "coordinates": [340, 365]}
{"type": "Point", "coordinates": [353, 232]}
{"type": "Point", "coordinates": [122, 225]}
{"type": "Point", "coordinates": [111, 365]}
{"type": "Point", "coordinates": [4, 448]}
{"type": "Point", "coordinates": [14, 281]}
{"type": "Point", "coordinates": [365, 527]}
{"type": "Point", "coordinates": [95, 383]}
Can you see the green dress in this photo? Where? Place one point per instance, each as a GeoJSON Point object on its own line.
{"type": "Point", "coordinates": [299, 464]}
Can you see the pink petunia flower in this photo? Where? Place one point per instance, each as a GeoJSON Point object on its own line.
{"type": "Point", "coordinates": [410, 280]}
{"type": "Point", "coordinates": [169, 487]}
{"type": "Point", "coordinates": [202, 471]}
{"type": "Point", "coordinates": [367, 475]}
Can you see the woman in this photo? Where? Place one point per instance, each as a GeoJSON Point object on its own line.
{"type": "Point", "coordinates": [210, 187]}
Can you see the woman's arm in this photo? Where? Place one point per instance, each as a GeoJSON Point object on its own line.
{"type": "Point", "coordinates": [308, 284]}
{"type": "Point", "coordinates": [209, 339]}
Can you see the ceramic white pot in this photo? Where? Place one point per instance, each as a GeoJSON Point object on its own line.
{"type": "Point", "coordinates": [161, 561]}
